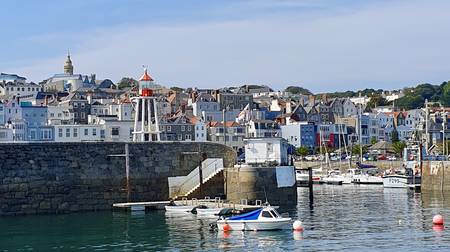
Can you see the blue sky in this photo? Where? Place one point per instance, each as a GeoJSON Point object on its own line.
{"type": "Point", "coordinates": [323, 45]}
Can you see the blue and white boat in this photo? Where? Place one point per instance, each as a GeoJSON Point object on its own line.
{"type": "Point", "coordinates": [266, 218]}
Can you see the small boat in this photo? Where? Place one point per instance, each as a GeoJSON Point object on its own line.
{"type": "Point", "coordinates": [364, 166]}
{"type": "Point", "coordinates": [336, 178]}
{"type": "Point", "coordinates": [402, 179]}
{"type": "Point", "coordinates": [209, 211]}
{"type": "Point", "coordinates": [367, 176]}
{"type": "Point", "coordinates": [178, 209]}
{"type": "Point", "coordinates": [266, 218]}
{"type": "Point", "coordinates": [302, 176]}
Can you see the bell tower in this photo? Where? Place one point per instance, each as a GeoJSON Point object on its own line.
{"type": "Point", "coordinates": [68, 67]}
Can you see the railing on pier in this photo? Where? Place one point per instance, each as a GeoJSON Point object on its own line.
{"type": "Point", "coordinates": [185, 185]}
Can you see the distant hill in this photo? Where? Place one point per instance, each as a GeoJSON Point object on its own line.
{"type": "Point", "coordinates": [298, 90]}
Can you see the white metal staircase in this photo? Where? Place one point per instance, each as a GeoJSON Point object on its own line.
{"type": "Point", "coordinates": [182, 186]}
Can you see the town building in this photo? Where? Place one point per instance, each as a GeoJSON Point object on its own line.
{"type": "Point", "coordinates": [300, 134]}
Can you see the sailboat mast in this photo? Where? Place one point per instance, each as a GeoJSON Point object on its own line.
{"type": "Point", "coordinates": [360, 131]}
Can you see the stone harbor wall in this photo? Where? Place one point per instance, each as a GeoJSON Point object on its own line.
{"type": "Point", "coordinates": [40, 178]}
{"type": "Point", "coordinates": [436, 176]}
{"type": "Point", "coordinates": [257, 183]}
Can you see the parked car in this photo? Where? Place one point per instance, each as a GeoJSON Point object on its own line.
{"type": "Point", "coordinates": [382, 157]}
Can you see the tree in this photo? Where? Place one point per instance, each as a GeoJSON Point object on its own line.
{"type": "Point", "coordinates": [356, 149]}
{"type": "Point", "coordinates": [377, 100]}
{"type": "Point", "coordinates": [127, 82]}
{"type": "Point", "coordinates": [297, 90]}
{"type": "Point", "coordinates": [177, 89]}
{"type": "Point", "coordinates": [398, 147]}
{"type": "Point", "coordinates": [373, 140]}
{"type": "Point", "coordinates": [302, 151]}
{"type": "Point", "coordinates": [445, 97]}
{"type": "Point", "coordinates": [394, 136]}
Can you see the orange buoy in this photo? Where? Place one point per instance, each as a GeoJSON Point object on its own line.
{"type": "Point", "coordinates": [226, 227]}
{"type": "Point", "coordinates": [438, 220]}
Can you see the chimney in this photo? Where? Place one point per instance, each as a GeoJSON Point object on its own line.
{"type": "Point", "coordinates": [288, 106]}
{"type": "Point", "coordinates": [89, 98]}
{"type": "Point", "coordinates": [311, 100]}
{"type": "Point", "coordinates": [324, 98]}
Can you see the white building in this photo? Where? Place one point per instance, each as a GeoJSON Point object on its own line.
{"type": "Point", "coordinates": [22, 90]}
{"type": "Point", "coordinates": [6, 134]}
{"type": "Point", "coordinates": [116, 130]}
{"type": "Point", "coordinates": [201, 133]}
{"type": "Point", "coordinates": [78, 133]}
{"type": "Point", "coordinates": [263, 150]}
{"type": "Point", "coordinates": [2, 113]}
{"type": "Point", "coordinates": [59, 115]}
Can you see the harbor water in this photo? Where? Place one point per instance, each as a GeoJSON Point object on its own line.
{"type": "Point", "coordinates": [349, 217]}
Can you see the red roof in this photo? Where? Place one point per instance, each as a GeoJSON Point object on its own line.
{"type": "Point", "coordinates": [146, 77]}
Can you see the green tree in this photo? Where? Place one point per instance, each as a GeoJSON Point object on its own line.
{"type": "Point", "coordinates": [398, 147]}
{"type": "Point", "coordinates": [377, 100]}
{"type": "Point", "coordinates": [445, 97]}
{"type": "Point", "coordinates": [373, 140]}
{"type": "Point", "coordinates": [177, 89]}
{"type": "Point", "coordinates": [356, 149]}
{"type": "Point", "coordinates": [297, 90]}
{"type": "Point", "coordinates": [127, 82]}
{"type": "Point", "coordinates": [394, 136]}
{"type": "Point", "coordinates": [302, 151]}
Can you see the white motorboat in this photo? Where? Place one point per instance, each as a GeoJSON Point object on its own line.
{"type": "Point", "coordinates": [400, 181]}
{"type": "Point", "coordinates": [366, 176]}
{"type": "Point", "coordinates": [336, 178]}
{"type": "Point", "coordinates": [302, 176]}
{"type": "Point", "coordinates": [179, 209]}
{"type": "Point", "coordinates": [266, 218]}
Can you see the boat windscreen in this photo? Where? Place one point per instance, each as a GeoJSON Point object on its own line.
{"type": "Point", "coordinates": [253, 215]}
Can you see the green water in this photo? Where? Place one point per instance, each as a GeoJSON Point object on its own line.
{"type": "Point", "coordinates": [361, 218]}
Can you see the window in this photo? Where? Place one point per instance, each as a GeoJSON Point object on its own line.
{"type": "Point", "coordinates": [102, 133]}
{"type": "Point", "coordinates": [189, 128]}
{"type": "Point", "coordinates": [60, 132]}
{"type": "Point", "coordinates": [82, 105]}
{"type": "Point", "coordinates": [234, 138]}
{"type": "Point", "coordinates": [75, 104]}
{"type": "Point", "coordinates": [67, 132]}
{"type": "Point", "coordinates": [169, 128]}
{"type": "Point", "coordinates": [33, 134]}
{"type": "Point", "coordinates": [266, 214]}
{"type": "Point", "coordinates": [52, 114]}
{"type": "Point", "coordinates": [183, 128]}
{"type": "Point", "coordinates": [94, 132]}
{"type": "Point", "coordinates": [75, 132]}
{"type": "Point", "coordinates": [83, 115]}
{"type": "Point", "coordinates": [115, 131]}
{"type": "Point", "coordinates": [187, 137]}
{"type": "Point", "coordinates": [86, 132]}
{"type": "Point", "coordinates": [180, 137]}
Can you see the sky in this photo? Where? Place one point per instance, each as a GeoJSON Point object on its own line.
{"type": "Point", "coordinates": [322, 45]}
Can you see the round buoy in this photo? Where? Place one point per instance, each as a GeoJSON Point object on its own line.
{"type": "Point", "coordinates": [438, 220]}
{"type": "Point", "coordinates": [297, 225]}
{"type": "Point", "coordinates": [226, 227]}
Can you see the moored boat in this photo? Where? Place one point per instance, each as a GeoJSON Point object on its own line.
{"type": "Point", "coordinates": [173, 208]}
{"type": "Point", "coordinates": [266, 218]}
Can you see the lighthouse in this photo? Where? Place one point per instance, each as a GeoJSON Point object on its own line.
{"type": "Point", "coordinates": [146, 123]}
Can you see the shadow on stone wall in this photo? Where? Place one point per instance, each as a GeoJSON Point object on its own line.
{"type": "Point", "coordinates": [68, 177]}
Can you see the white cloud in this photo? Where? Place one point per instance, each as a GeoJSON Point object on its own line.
{"type": "Point", "coordinates": [387, 45]}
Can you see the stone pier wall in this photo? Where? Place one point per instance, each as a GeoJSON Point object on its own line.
{"type": "Point", "coordinates": [436, 176]}
{"type": "Point", "coordinates": [255, 183]}
{"type": "Point", "coordinates": [40, 178]}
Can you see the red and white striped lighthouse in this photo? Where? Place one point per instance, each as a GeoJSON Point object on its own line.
{"type": "Point", "coordinates": [146, 122]}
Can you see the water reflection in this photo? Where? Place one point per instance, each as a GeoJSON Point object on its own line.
{"type": "Point", "coordinates": [343, 218]}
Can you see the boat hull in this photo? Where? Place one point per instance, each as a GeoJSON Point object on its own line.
{"type": "Point", "coordinates": [252, 225]}
{"type": "Point", "coordinates": [400, 181]}
{"type": "Point", "coordinates": [208, 211]}
{"type": "Point", "coordinates": [179, 209]}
